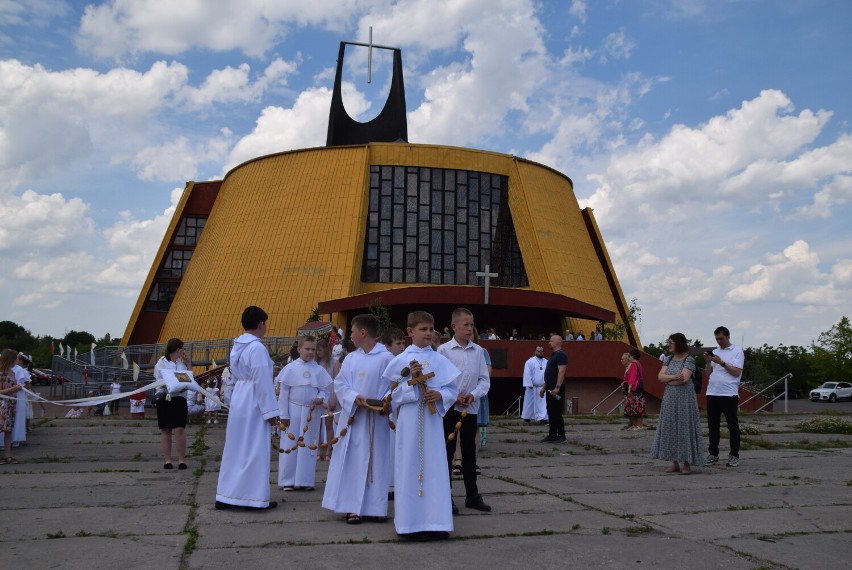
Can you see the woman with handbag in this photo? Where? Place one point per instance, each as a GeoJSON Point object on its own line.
{"type": "Point", "coordinates": [634, 390]}
{"type": "Point", "coordinates": [678, 435]}
{"type": "Point", "coordinates": [172, 412]}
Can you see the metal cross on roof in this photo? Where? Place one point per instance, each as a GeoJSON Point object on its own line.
{"type": "Point", "coordinates": [370, 45]}
{"type": "Point", "coordinates": [488, 276]}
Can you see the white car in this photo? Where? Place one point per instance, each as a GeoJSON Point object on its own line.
{"type": "Point", "coordinates": [832, 391]}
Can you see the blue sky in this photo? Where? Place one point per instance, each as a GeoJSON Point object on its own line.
{"type": "Point", "coordinates": [712, 138]}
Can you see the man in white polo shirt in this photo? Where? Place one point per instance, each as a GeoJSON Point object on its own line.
{"type": "Point", "coordinates": [723, 392]}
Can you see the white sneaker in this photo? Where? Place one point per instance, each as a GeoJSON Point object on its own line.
{"type": "Point", "coordinates": [215, 421]}
{"type": "Point", "coordinates": [733, 461]}
{"type": "Point", "coordinates": [209, 421]}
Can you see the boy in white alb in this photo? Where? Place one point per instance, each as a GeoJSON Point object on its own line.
{"type": "Point", "coordinates": [394, 341]}
{"type": "Point", "coordinates": [357, 481]}
{"type": "Point", "coordinates": [244, 470]}
{"type": "Point", "coordinates": [305, 388]}
{"type": "Point", "coordinates": [422, 501]}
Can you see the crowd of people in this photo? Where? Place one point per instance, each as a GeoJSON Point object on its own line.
{"type": "Point", "coordinates": [396, 417]}
{"type": "Point", "coordinates": [395, 422]}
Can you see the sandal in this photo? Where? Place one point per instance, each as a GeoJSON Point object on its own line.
{"type": "Point", "coordinates": [10, 461]}
{"type": "Point", "coordinates": [672, 469]}
{"type": "Point", "coordinates": [457, 469]}
{"type": "Point", "coordinates": [352, 518]}
{"type": "Point", "coordinates": [375, 519]}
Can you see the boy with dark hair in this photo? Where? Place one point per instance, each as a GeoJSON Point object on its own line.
{"type": "Point", "coordinates": [244, 471]}
{"type": "Point", "coordinates": [357, 481]}
{"type": "Point", "coordinates": [394, 340]}
{"type": "Point", "coordinates": [472, 385]}
{"type": "Point", "coordinates": [424, 387]}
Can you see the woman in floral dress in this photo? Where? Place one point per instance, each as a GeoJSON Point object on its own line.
{"type": "Point", "coordinates": [678, 436]}
{"type": "Point", "coordinates": [8, 387]}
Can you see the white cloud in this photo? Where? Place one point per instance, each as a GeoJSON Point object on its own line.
{"type": "Point", "coordinates": [234, 85]}
{"type": "Point", "coordinates": [707, 164]}
{"type": "Point", "coordinates": [277, 130]}
{"type": "Point", "coordinates": [178, 159]}
{"type": "Point", "coordinates": [120, 114]}
{"type": "Point", "coordinates": [792, 275]}
{"type": "Point", "coordinates": [119, 27]}
{"type": "Point", "coordinates": [89, 109]}
{"type": "Point", "coordinates": [579, 9]}
{"type": "Point", "coordinates": [43, 223]}
{"type": "Point", "coordinates": [467, 101]}
{"type": "Point", "coordinates": [81, 260]}
{"type": "Point", "coordinates": [836, 192]}
{"type": "Point", "coordinates": [617, 45]}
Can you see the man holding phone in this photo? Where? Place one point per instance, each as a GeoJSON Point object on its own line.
{"type": "Point", "coordinates": [723, 392]}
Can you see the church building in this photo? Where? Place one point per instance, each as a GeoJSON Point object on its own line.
{"type": "Point", "coordinates": [371, 218]}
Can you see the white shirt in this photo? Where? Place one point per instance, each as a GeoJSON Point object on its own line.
{"type": "Point", "coordinates": [722, 382]}
{"type": "Point", "coordinates": [474, 379]}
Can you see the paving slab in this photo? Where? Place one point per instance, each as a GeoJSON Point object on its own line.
{"type": "Point", "coordinates": [822, 551]}
{"type": "Point", "coordinates": [92, 493]}
{"type": "Point", "coordinates": [545, 552]}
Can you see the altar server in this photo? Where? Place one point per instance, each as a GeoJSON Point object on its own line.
{"type": "Point", "coordinates": [357, 482]}
{"type": "Point", "coordinates": [422, 503]}
{"type": "Point", "coordinates": [244, 471]}
{"type": "Point", "coordinates": [305, 392]}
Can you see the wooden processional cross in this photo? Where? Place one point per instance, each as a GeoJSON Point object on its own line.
{"type": "Point", "coordinates": [488, 277]}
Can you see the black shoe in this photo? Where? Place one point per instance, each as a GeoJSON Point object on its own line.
{"type": "Point", "coordinates": [455, 508]}
{"type": "Point", "coordinates": [220, 506]}
{"type": "Point", "coordinates": [548, 439]}
{"type": "Point", "coordinates": [271, 505]}
{"type": "Point", "coordinates": [426, 535]}
{"type": "Point", "coordinates": [477, 503]}
{"type": "Point", "coordinates": [181, 465]}
{"type": "Point", "coordinates": [168, 466]}
{"type": "Point", "coordinates": [526, 421]}
{"type": "Point", "coordinates": [560, 439]}
{"type": "Point", "coordinates": [390, 495]}
{"type": "Point", "coordinates": [542, 422]}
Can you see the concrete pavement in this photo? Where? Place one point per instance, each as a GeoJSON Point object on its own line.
{"type": "Point", "coordinates": [91, 493]}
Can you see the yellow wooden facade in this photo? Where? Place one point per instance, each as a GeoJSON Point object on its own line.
{"type": "Point", "coordinates": [287, 231]}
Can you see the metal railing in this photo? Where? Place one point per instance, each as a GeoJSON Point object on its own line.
{"type": "Point", "coordinates": [594, 410]}
{"type": "Point", "coordinates": [514, 408]}
{"type": "Point", "coordinates": [105, 363]}
{"type": "Point", "coordinates": [784, 394]}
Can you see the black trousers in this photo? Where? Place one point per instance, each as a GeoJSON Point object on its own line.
{"type": "Point", "coordinates": [716, 406]}
{"type": "Point", "coordinates": [554, 412]}
{"type": "Point", "coordinates": [467, 440]}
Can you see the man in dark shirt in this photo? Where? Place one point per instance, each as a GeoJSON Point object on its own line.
{"type": "Point", "coordinates": [554, 388]}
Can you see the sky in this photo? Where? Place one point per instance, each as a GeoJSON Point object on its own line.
{"type": "Point", "coordinates": [712, 138]}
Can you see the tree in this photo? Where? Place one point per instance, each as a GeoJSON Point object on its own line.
{"type": "Point", "coordinates": [13, 335]}
{"type": "Point", "coordinates": [314, 316]}
{"type": "Point", "coordinates": [832, 353]}
{"type": "Point", "coordinates": [81, 340]}
{"type": "Point", "coordinates": [618, 330]}
{"type": "Point", "coordinates": [381, 312]}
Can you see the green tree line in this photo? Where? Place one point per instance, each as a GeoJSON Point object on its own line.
{"type": "Point", "coordinates": [13, 335]}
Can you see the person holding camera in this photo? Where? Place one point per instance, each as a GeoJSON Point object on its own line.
{"type": "Point", "coordinates": [723, 390]}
